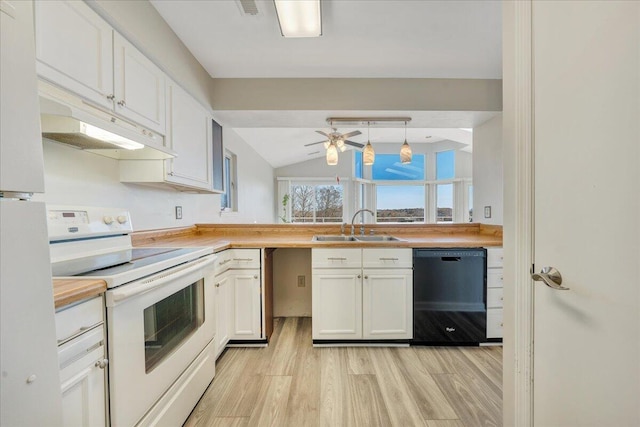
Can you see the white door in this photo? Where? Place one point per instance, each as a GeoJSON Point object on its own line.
{"type": "Point", "coordinates": [336, 302]}
{"type": "Point", "coordinates": [387, 304]}
{"type": "Point", "coordinates": [587, 212]}
{"type": "Point", "coordinates": [246, 308]}
{"type": "Point", "coordinates": [139, 86]}
{"type": "Point", "coordinates": [222, 311]}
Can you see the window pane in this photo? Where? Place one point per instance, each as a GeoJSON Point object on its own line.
{"type": "Point", "coordinates": [470, 203]}
{"type": "Point", "coordinates": [400, 203]}
{"type": "Point", "coordinates": [301, 203]}
{"type": "Point", "coordinates": [358, 164]}
{"type": "Point", "coordinates": [388, 167]}
{"type": "Point", "coordinates": [445, 165]}
{"type": "Point", "coordinates": [225, 198]}
{"type": "Point", "coordinates": [328, 203]}
{"type": "Point", "coordinates": [444, 203]}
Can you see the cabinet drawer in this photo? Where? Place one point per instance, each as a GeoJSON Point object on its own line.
{"type": "Point", "coordinates": [494, 298]}
{"type": "Point", "coordinates": [223, 261]}
{"type": "Point", "coordinates": [494, 323]}
{"type": "Point", "coordinates": [244, 258]}
{"type": "Point", "coordinates": [495, 257]}
{"type": "Point", "coordinates": [336, 258]}
{"type": "Point", "coordinates": [387, 258]}
{"type": "Point", "coordinates": [78, 318]}
{"type": "Point", "coordinates": [494, 278]}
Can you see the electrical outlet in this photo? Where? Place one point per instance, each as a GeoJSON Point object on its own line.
{"type": "Point", "coordinates": [301, 283]}
{"type": "Point", "coordinates": [178, 212]}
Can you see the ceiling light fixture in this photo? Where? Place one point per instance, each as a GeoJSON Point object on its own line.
{"type": "Point", "coordinates": [299, 18]}
{"type": "Point", "coordinates": [368, 155]}
{"type": "Point", "coordinates": [405, 150]}
{"type": "Point", "coordinates": [332, 154]}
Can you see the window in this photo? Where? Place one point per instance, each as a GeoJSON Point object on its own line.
{"type": "Point", "coordinates": [470, 202]}
{"type": "Point", "coordinates": [445, 165]}
{"type": "Point", "coordinates": [358, 164]}
{"type": "Point", "coordinates": [316, 203]}
{"type": "Point", "coordinates": [228, 199]}
{"type": "Point", "coordinates": [400, 203]}
{"type": "Point", "coordinates": [444, 203]}
{"type": "Point", "coordinates": [388, 167]}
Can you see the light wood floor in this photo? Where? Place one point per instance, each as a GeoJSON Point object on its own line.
{"type": "Point", "coordinates": [290, 383]}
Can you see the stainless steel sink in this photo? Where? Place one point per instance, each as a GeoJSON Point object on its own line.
{"type": "Point", "coordinates": [378, 239]}
{"type": "Point", "coordinates": [336, 238]}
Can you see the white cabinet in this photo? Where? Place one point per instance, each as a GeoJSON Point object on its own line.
{"type": "Point", "coordinates": [387, 298]}
{"type": "Point", "coordinates": [189, 135]}
{"type": "Point", "coordinates": [337, 303]}
{"type": "Point", "coordinates": [362, 294]}
{"type": "Point", "coordinates": [238, 297]}
{"type": "Point", "coordinates": [81, 355]}
{"type": "Point", "coordinates": [245, 304]}
{"type": "Point", "coordinates": [494, 293]}
{"type": "Point", "coordinates": [79, 51]}
{"type": "Point", "coordinates": [139, 86]}
{"type": "Point", "coordinates": [222, 312]}
{"type": "Point", "coordinates": [74, 48]}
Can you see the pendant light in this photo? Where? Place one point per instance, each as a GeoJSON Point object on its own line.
{"type": "Point", "coordinates": [405, 150]}
{"type": "Point", "coordinates": [368, 155]}
{"type": "Point", "coordinates": [332, 154]}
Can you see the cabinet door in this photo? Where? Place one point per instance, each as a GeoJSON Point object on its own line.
{"type": "Point", "coordinates": [337, 304]}
{"type": "Point", "coordinates": [83, 391]}
{"type": "Point", "coordinates": [139, 86]}
{"type": "Point", "coordinates": [74, 49]}
{"type": "Point", "coordinates": [387, 304]}
{"type": "Point", "coordinates": [222, 312]}
{"type": "Point", "coordinates": [245, 308]}
{"type": "Point", "coordinates": [189, 135]}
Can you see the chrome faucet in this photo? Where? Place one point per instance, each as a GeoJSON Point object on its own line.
{"type": "Point", "coordinates": [361, 224]}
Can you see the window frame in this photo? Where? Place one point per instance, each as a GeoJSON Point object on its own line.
{"type": "Point", "coordinates": [230, 161]}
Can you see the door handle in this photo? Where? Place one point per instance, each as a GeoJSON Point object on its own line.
{"type": "Point", "coordinates": [551, 277]}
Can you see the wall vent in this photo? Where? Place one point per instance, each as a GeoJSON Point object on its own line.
{"type": "Point", "coordinates": [248, 7]}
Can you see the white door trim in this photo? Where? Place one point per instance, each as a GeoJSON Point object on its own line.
{"type": "Point", "coordinates": [519, 221]}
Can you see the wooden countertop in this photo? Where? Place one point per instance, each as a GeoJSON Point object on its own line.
{"type": "Point", "coordinates": [224, 236]}
{"type": "Point", "coordinates": [68, 291]}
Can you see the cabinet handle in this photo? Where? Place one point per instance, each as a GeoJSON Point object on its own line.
{"type": "Point", "coordinates": [243, 259]}
{"type": "Point", "coordinates": [337, 259]}
{"type": "Point", "coordinates": [359, 276]}
{"type": "Point", "coordinates": [122, 103]}
{"type": "Point", "coordinates": [102, 363]}
{"type": "Point", "coordinates": [255, 276]}
{"type": "Point", "coordinates": [217, 285]}
{"type": "Point", "coordinates": [225, 261]}
{"type": "Point", "coordinates": [366, 277]}
{"type": "Point", "coordinates": [170, 173]}
{"type": "Point", "coordinates": [111, 97]}
{"type": "Point", "coordinates": [78, 332]}
{"type": "Point", "coordinates": [388, 259]}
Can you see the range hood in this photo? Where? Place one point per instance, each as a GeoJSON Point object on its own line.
{"type": "Point", "coordinates": [70, 120]}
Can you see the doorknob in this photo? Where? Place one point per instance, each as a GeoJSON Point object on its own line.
{"type": "Point", "coordinates": [551, 277]}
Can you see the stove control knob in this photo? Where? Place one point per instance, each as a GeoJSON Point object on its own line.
{"type": "Point", "coordinates": [108, 220]}
{"type": "Point", "coordinates": [122, 219]}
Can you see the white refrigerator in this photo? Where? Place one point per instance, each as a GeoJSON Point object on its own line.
{"type": "Point", "coordinates": [29, 375]}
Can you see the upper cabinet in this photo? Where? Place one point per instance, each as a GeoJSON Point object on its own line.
{"type": "Point", "coordinates": [189, 135]}
{"type": "Point", "coordinates": [78, 50]}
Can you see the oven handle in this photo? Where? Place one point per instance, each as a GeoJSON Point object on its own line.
{"type": "Point", "coordinates": [158, 280]}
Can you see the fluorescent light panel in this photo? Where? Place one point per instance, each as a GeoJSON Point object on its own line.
{"type": "Point", "coordinates": [299, 18]}
{"type": "Point", "coordinates": [104, 135]}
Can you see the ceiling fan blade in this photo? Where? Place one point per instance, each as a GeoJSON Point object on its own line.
{"type": "Point", "coordinates": [350, 134]}
{"type": "Point", "coordinates": [323, 133]}
{"type": "Point", "coordinates": [354, 144]}
{"type": "Point", "coordinates": [314, 143]}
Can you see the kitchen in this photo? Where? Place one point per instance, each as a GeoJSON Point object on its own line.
{"type": "Point", "coordinates": [98, 179]}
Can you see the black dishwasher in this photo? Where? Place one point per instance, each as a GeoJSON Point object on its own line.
{"type": "Point", "coordinates": [449, 297]}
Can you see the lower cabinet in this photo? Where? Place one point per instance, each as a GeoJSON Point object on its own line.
{"type": "Point", "coordinates": [238, 297]}
{"type": "Point", "coordinates": [494, 293]}
{"type": "Point", "coordinates": [373, 303]}
{"type": "Point", "coordinates": [81, 355]}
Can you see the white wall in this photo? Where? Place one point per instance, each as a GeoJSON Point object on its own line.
{"type": "Point", "coordinates": [487, 171]}
{"type": "Point", "coordinates": [74, 177]}
{"type": "Point", "coordinates": [289, 300]}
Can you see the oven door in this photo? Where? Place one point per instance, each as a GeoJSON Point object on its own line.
{"type": "Point", "coordinates": [156, 327]}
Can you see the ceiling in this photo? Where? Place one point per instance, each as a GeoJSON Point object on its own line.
{"type": "Point", "coordinates": [361, 39]}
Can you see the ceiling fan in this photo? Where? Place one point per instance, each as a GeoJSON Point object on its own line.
{"type": "Point", "coordinates": [338, 139]}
